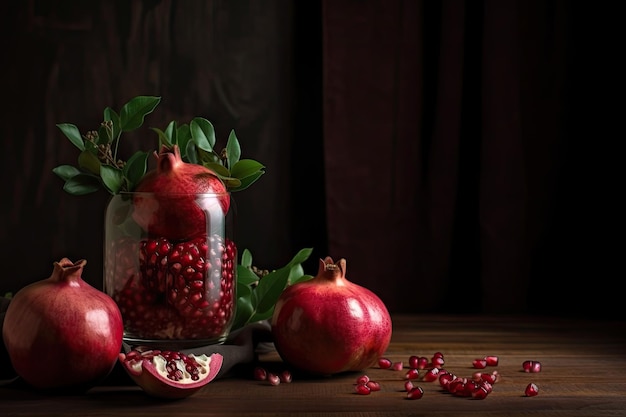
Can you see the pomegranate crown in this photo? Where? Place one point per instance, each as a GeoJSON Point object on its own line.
{"type": "Point", "coordinates": [100, 167]}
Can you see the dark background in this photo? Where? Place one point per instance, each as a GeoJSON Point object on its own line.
{"type": "Point", "coordinates": [461, 155]}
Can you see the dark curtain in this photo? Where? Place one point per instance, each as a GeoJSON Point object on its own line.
{"type": "Point", "coordinates": [459, 154]}
{"type": "Point", "coordinates": [467, 166]}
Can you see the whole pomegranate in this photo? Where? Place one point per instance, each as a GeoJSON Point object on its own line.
{"type": "Point", "coordinates": [173, 206]}
{"type": "Point", "coordinates": [328, 325]}
{"type": "Point", "coordinates": [61, 332]}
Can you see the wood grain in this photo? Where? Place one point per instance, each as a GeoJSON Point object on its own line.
{"type": "Point", "coordinates": [583, 374]}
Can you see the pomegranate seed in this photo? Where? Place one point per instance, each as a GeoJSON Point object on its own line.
{"type": "Point", "coordinates": [480, 394]}
{"type": "Point", "coordinates": [492, 360]}
{"type": "Point", "coordinates": [412, 373]}
{"type": "Point", "coordinates": [362, 389]}
{"type": "Point", "coordinates": [422, 362]}
{"type": "Point", "coordinates": [285, 376]}
{"type": "Point", "coordinates": [437, 361]}
{"type": "Point", "coordinates": [487, 386]}
{"type": "Point", "coordinates": [260, 374]}
{"type": "Point", "coordinates": [408, 386]}
{"type": "Point", "coordinates": [531, 366]}
{"type": "Point", "coordinates": [479, 363]}
{"type": "Point", "coordinates": [490, 378]}
{"type": "Point", "coordinates": [496, 376]}
{"type": "Point", "coordinates": [414, 362]}
{"type": "Point", "coordinates": [397, 366]}
{"type": "Point", "coordinates": [457, 385]}
{"type": "Point", "coordinates": [415, 393]}
{"type": "Point", "coordinates": [445, 378]}
{"type": "Point", "coordinates": [373, 385]}
{"type": "Point", "coordinates": [531, 390]}
{"type": "Point", "coordinates": [438, 355]}
{"type": "Point", "coordinates": [273, 379]}
{"type": "Point", "coordinates": [477, 376]}
{"type": "Point", "coordinates": [384, 363]}
{"type": "Point", "coordinates": [431, 375]}
{"type": "Point", "coordinates": [362, 380]}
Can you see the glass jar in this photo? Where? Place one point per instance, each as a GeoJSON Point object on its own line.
{"type": "Point", "coordinates": [170, 264]}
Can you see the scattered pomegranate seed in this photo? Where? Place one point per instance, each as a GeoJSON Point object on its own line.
{"type": "Point", "coordinates": [531, 366]}
{"type": "Point", "coordinates": [362, 380]}
{"type": "Point", "coordinates": [384, 363]}
{"type": "Point", "coordinates": [273, 379]}
{"type": "Point", "coordinates": [285, 376]}
{"type": "Point", "coordinates": [373, 385]}
{"type": "Point", "coordinates": [432, 374]}
{"type": "Point", "coordinates": [437, 355]}
{"type": "Point", "coordinates": [479, 363]}
{"type": "Point", "coordinates": [408, 386]}
{"type": "Point", "coordinates": [397, 366]}
{"type": "Point", "coordinates": [412, 373]}
{"type": "Point", "coordinates": [260, 374]}
{"type": "Point", "coordinates": [492, 360]}
{"type": "Point", "coordinates": [437, 361]}
{"type": "Point", "coordinates": [415, 393]}
{"type": "Point", "coordinates": [480, 394]}
{"type": "Point", "coordinates": [362, 389]}
{"type": "Point", "coordinates": [445, 378]}
{"type": "Point", "coordinates": [413, 361]}
{"type": "Point", "coordinates": [531, 390]}
{"type": "Point", "coordinates": [422, 362]}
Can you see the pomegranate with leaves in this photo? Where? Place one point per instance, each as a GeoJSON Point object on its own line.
{"type": "Point", "coordinates": [328, 324]}
{"type": "Point", "coordinates": [62, 333]}
{"type": "Point", "coordinates": [174, 206]}
{"type": "Point", "coordinates": [170, 374]}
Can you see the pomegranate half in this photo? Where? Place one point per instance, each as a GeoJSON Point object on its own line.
{"type": "Point", "coordinates": [169, 374]}
{"type": "Point", "coordinates": [328, 325]}
{"type": "Point", "coordinates": [166, 202]}
{"type": "Point", "coordinates": [61, 332]}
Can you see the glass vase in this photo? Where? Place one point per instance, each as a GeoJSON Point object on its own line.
{"type": "Point", "coordinates": [170, 264]}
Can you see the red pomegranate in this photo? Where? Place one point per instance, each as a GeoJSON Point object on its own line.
{"type": "Point", "coordinates": [173, 200]}
{"type": "Point", "coordinates": [61, 332]}
{"type": "Point", "coordinates": [169, 374]}
{"type": "Point", "coordinates": [328, 325]}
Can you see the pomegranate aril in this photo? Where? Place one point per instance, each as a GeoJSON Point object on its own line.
{"type": "Point", "coordinates": [437, 361]}
{"type": "Point", "coordinates": [415, 393]}
{"type": "Point", "coordinates": [492, 360]}
{"type": "Point", "coordinates": [397, 366]}
{"type": "Point", "coordinates": [285, 376]}
{"type": "Point", "coordinates": [445, 378]}
{"type": "Point", "coordinates": [479, 363]}
{"type": "Point", "coordinates": [273, 379]}
{"type": "Point", "coordinates": [480, 394]}
{"type": "Point", "coordinates": [412, 373]}
{"type": "Point", "coordinates": [260, 374]}
{"type": "Point", "coordinates": [431, 375]}
{"type": "Point", "coordinates": [413, 361]}
{"type": "Point", "coordinates": [362, 389]}
{"type": "Point", "coordinates": [373, 385]}
{"type": "Point", "coordinates": [363, 379]}
{"type": "Point", "coordinates": [408, 386]}
{"type": "Point", "coordinates": [531, 366]}
{"type": "Point", "coordinates": [384, 363]}
{"type": "Point", "coordinates": [531, 390]}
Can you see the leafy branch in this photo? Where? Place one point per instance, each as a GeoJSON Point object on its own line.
{"type": "Point", "coordinates": [99, 165]}
{"type": "Point", "coordinates": [257, 293]}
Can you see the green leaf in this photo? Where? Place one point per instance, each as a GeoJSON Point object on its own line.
{"type": "Point", "coordinates": [163, 138]}
{"type": "Point", "coordinates": [233, 150]}
{"type": "Point", "coordinates": [245, 168]}
{"type": "Point", "coordinates": [301, 256]}
{"type": "Point", "coordinates": [135, 168]}
{"type": "Point", "coordinates": [246, 258]}
{"type": "Point", "coordinates": [73, 134]}
{"type": "Point", "coordinates": [202, 133]}
{"type": "Point", "coordinates": [116, 129]}
{"type": "Point", "coordinates": [112, 178]}
{"type": "Point", "coordinates": [243, 312]}
{"type": "Point", "coordinates": [184, 137]}
{"type": "Point", "coordinates": [244, 182]}
{"type": "Point", "coordinates": [171, 133]}
{"type": "Point", "coordinates": [65, 172]}
{"type": "Point", "coordinates": [133, 113]}
{"type": "Point", "coordinates": [302, 278]}
{"type": "Point", "coordinates": [82, 184]}
{"type": "Point", "coordinates": [265, 295]}
{"type": "Point", "coordinates": [219, 169]}
{"type": "Point", "coordinates": [89, 162]}
{"type": "Point", "coordinates": [191, 154]}
{"type": "Point", "coordinates": [246, 275]}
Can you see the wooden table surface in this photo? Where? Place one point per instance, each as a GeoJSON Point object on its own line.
{"type": "Point", "coordinates": [583, 374]}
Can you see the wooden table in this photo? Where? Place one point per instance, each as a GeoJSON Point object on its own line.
{"type": "Point", "coordinates": [583, 374]}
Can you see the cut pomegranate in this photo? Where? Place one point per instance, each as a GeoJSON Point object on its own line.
{"type": "Point", "coordinates": [170, 375]}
